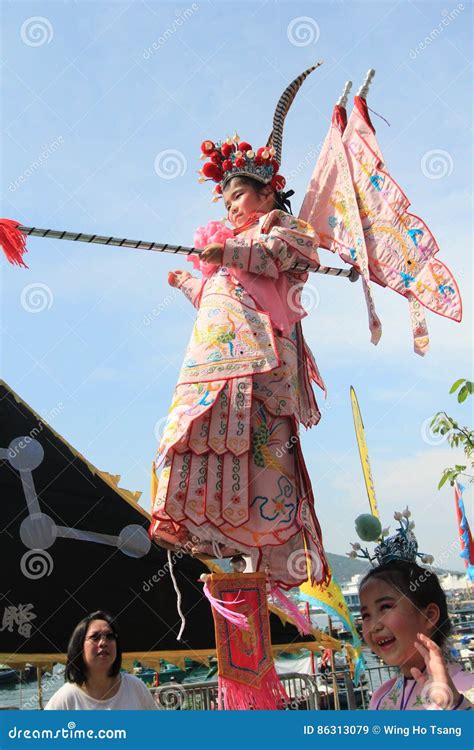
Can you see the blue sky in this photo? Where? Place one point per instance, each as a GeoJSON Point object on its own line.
{"type": "Point", "coordinates": [95, 95]}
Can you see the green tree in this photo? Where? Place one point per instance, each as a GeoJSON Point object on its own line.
{"type": "Point", "coordinates": [456, 436]}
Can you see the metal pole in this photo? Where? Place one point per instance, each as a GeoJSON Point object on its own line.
{"type": "Point", "coordinates": [337, 705]}
{"type": "Point", "coordinates": [95, 239]}
{"type": "Point", "coordinates": [351, 701]}
{"type": "Point", "coordinates": [21, 686]}
{"type": "Point", "coordinates": [313, 670]}
{"type": "Point", "coordinates": [39, 676]}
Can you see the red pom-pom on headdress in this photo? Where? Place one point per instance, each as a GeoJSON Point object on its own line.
{"type": "Point", "coordinates": [278, 182]}
{"type": "Point", "coordinates": [207, 147]}
{"type": "Point", "coordinates": [212, 171]}
{"type": "Point", "coordinates": [233, 157]}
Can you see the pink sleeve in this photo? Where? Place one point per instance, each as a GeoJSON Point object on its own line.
{"type": "Point", "coordinates": [274, 252]}
{"type": "Point", "coordinates": [192, 289]}
{"type": "Point", "coordinates": [464, 683]}
{"type": "Point", "coordinates": [248, 255]}
{"type": "Point", "coordinates": [380, 693]}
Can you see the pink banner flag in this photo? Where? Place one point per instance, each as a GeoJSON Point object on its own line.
{"type": "Point", "coordinates": [330, 206]}
{"type": "Point", "coordinates": [401, 249]}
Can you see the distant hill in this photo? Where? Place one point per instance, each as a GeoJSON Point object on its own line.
{"type": "Point", "coordinates": [345, 567]}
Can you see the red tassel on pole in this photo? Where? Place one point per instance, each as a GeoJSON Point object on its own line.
{"type": "Point", "coordinates": [13, 242]}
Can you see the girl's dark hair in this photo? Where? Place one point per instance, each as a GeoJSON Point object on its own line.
{"type": "Point", "coordinates": [280, 202]}
{"type": "Point", "coordinates": [420, 585]}
{"type": "Point", "coordinates": [76, 670]}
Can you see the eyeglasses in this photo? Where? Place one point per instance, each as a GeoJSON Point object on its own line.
{"type": "Point", "coordinates": [96, 637]}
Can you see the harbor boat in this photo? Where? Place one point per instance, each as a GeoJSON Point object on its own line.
{"type": "Point", "coordinates": [8, 676]}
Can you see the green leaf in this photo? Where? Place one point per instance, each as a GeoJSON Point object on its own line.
{"type": "Point", "coordinates": [463, 394]}
{"type": "Point", "coordinates": [447, 474]}
{"type": "Point", "coordinates": [443, 479]}
{"type": "Point", "coordinates": [456, 385]}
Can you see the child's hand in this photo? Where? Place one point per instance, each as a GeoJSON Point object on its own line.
{"type": "Point", "coordinates": [213, 253]}
{"type": "Point", "coordinates": [440, 688]}
{"type": "Point", "coordinates": [176, 278]}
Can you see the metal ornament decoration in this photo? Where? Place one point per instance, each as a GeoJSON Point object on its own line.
{"type": "Point", "coordinates": [400, 546]}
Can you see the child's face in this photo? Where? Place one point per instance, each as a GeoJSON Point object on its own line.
{"type": "Point", "coordinates": [242, 200]}
{"type": "Point", "coordinates": [390, 623]}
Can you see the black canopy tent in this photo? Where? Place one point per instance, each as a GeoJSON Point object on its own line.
{"type": "Point", "coordinates": [73, 541]}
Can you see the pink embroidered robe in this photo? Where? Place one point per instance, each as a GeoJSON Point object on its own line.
{"type": "Point", "coordinates": [403, 694]}
{"type": "Point", "coordinates": [233, 478]}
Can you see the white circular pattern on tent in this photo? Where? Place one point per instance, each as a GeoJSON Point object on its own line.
{"type": "Point", "coordinates": [38, 531]}
{"type": "Point", "coordinates": [25, 453]}
{"type": "Point", "coordinates": [134, 541]}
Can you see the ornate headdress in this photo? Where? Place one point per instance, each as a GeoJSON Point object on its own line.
{"type": "Point", "coordinates": [233, 158]}
{"type": "Point", "coordinates": [401, 546]}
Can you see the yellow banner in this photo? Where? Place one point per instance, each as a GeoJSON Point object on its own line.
{"type": "Point", "coordinates": [330, 598]}
{"type": "Point", "coordinates": [364, 454]}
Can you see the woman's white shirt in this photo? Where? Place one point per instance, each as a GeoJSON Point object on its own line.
{"type": "Point", "coordinates": [131, 695]}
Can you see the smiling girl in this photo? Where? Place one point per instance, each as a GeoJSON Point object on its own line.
{"type": "Point", "coordinates": [405, 622]}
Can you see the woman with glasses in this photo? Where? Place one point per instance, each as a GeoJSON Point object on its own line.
{"type": "Point", "coordinates": [93, 677]}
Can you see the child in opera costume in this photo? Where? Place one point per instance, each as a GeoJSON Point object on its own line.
{"type": "Point", "coordinates": [233, 478]}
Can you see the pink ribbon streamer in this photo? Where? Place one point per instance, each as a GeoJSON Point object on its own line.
{"type": "Point", "coordinates": [236, 618]}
